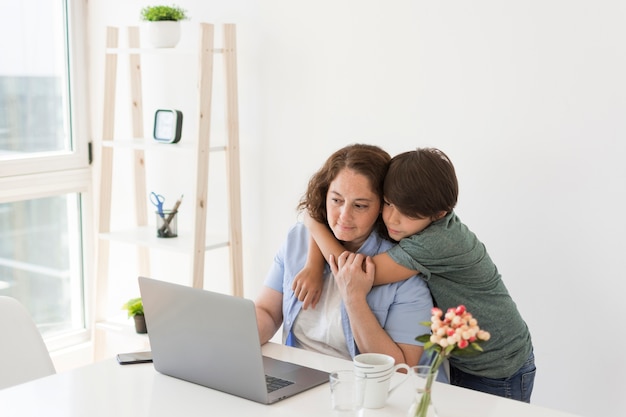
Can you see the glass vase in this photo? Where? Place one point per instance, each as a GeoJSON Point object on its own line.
{"type": "Point", "coordinates": [422, 378]}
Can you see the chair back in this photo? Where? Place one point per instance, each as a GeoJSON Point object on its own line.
{"type": "Point", "coordinates": [23, 353]}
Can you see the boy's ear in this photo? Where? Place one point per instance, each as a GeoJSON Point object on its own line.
{"type": "Point", "coordinates": [440, 215]}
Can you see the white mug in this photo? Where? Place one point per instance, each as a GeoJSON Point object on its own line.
{"type": "Point", "coordinates": [378, 369]}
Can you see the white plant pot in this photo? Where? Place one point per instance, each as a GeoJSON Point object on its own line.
{"type": "Point", "coordinates": [164, 33]}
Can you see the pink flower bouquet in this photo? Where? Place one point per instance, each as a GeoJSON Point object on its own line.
{"type": "Point", "coordinates": [457, 333]}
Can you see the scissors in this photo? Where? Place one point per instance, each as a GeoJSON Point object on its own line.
{"type": "Point", "coordinates": [157, 200]}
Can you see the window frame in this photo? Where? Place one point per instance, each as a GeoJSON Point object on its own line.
{"type": "Point", "coordinates": [78, 157]}
{"type": "Point", "coordinates": [48, 174]}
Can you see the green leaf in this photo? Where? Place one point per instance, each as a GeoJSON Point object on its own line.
{"type": "Point", "coordinates": [432, 346]}
{"type": "Point", "coordinates": [423, 338]}
{"type": "Point", "coordinates": [134, 306]}
{"type": "Point", "coordinates": [476, 346]}
{"type": "Point", "coordinates": [472, 349]}
{"type": "Point", "coordinates": [158, 13]}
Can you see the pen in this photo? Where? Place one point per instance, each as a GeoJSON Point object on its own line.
{"type": "Point", "coordinates": [165, 229]}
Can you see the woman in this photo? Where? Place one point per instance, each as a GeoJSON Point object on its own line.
{"type": "Point", "coordinates": [351, 317]}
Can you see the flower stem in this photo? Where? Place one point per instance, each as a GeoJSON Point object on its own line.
{"type": "Point", "coordinates": [425, 400]}
{"type": "Point", "coordinates": [434, 367]}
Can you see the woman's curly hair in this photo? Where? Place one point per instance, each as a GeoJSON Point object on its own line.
{"type": "Point", "coordinates": [368, 160]}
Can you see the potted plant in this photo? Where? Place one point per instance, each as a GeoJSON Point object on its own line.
{"type": "Point", "coordinates": [163, 24]}
{"type": "Point", "coordinates": [134, 307]}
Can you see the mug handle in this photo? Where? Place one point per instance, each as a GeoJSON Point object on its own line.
{"type": "Point", "coordinates": [404, 375]}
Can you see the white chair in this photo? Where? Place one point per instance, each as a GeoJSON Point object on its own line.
{"type": "Point", "coordinates": [23, 354]}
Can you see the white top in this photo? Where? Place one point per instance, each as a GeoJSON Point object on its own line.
{"type": "Point", "coordinates": [320, 329]}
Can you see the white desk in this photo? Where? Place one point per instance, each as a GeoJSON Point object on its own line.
{"type": "Point", "coordinates": [108, 389]}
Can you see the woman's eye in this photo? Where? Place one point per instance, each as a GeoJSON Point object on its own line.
{"type": "Point", "coordinates": [361, 206]}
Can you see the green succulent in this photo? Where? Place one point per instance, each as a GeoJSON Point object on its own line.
{"type": "Point", "coordinates": [157, 13]}
{"type": "Point", "coordinates": [134, 306]}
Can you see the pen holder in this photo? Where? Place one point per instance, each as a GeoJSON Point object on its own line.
{"type": "Point", "coordinates": [167, 225]}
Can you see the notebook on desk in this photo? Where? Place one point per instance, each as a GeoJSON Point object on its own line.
{"type": "Point", "coordinates": [212, 339]}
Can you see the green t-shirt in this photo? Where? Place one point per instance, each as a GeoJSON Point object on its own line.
{"type": "Point", "coordinates": [458, 270]}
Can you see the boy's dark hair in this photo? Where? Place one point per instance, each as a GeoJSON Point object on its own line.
{"type": "Point", "coordinates": [422, 183]}
{"type": "Point", "coordinates": [368, 160]}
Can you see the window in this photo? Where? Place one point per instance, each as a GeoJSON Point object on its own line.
{"type": "Point", "coordinates": [45, 180]}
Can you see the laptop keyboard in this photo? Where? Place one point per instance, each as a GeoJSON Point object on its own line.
{"type": "Point", "coordinates": [273, 383]}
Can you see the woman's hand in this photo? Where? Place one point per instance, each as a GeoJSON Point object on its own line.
{"type": "Point", "coordinates": [354, 274]}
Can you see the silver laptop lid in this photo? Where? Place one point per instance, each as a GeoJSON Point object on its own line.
{"type": "Point", "coordinates": [204, 337]}
{"type": "Point", "coordinates": [212, 339]}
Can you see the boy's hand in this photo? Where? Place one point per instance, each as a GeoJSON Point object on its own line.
{"type": "Point", "coordinates": [307, 285]}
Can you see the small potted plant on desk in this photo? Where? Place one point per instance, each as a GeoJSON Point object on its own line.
{"type": "Point", "coordinates": [134, 307]}
{"type": "Point", "coordinates": [163, 24]}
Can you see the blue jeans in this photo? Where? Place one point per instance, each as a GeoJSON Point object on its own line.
{"type": "Point", "coordinates": [518, 386]}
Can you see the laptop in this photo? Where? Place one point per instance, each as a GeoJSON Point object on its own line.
{"type": "Point", "coordinates": [211, 339]}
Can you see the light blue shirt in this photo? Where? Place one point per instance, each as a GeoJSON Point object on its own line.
{"type": "Point", "coordinates": [399, 307]}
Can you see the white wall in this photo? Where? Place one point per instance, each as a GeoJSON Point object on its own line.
{"type": "Point", "coordinates": [527, 98]}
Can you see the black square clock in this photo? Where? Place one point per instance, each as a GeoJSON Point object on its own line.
{"type": "Point", "coordinates": [168, 125]}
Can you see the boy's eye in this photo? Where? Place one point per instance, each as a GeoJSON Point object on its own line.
{"type": "Point", "coordinates": [387, 203]}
